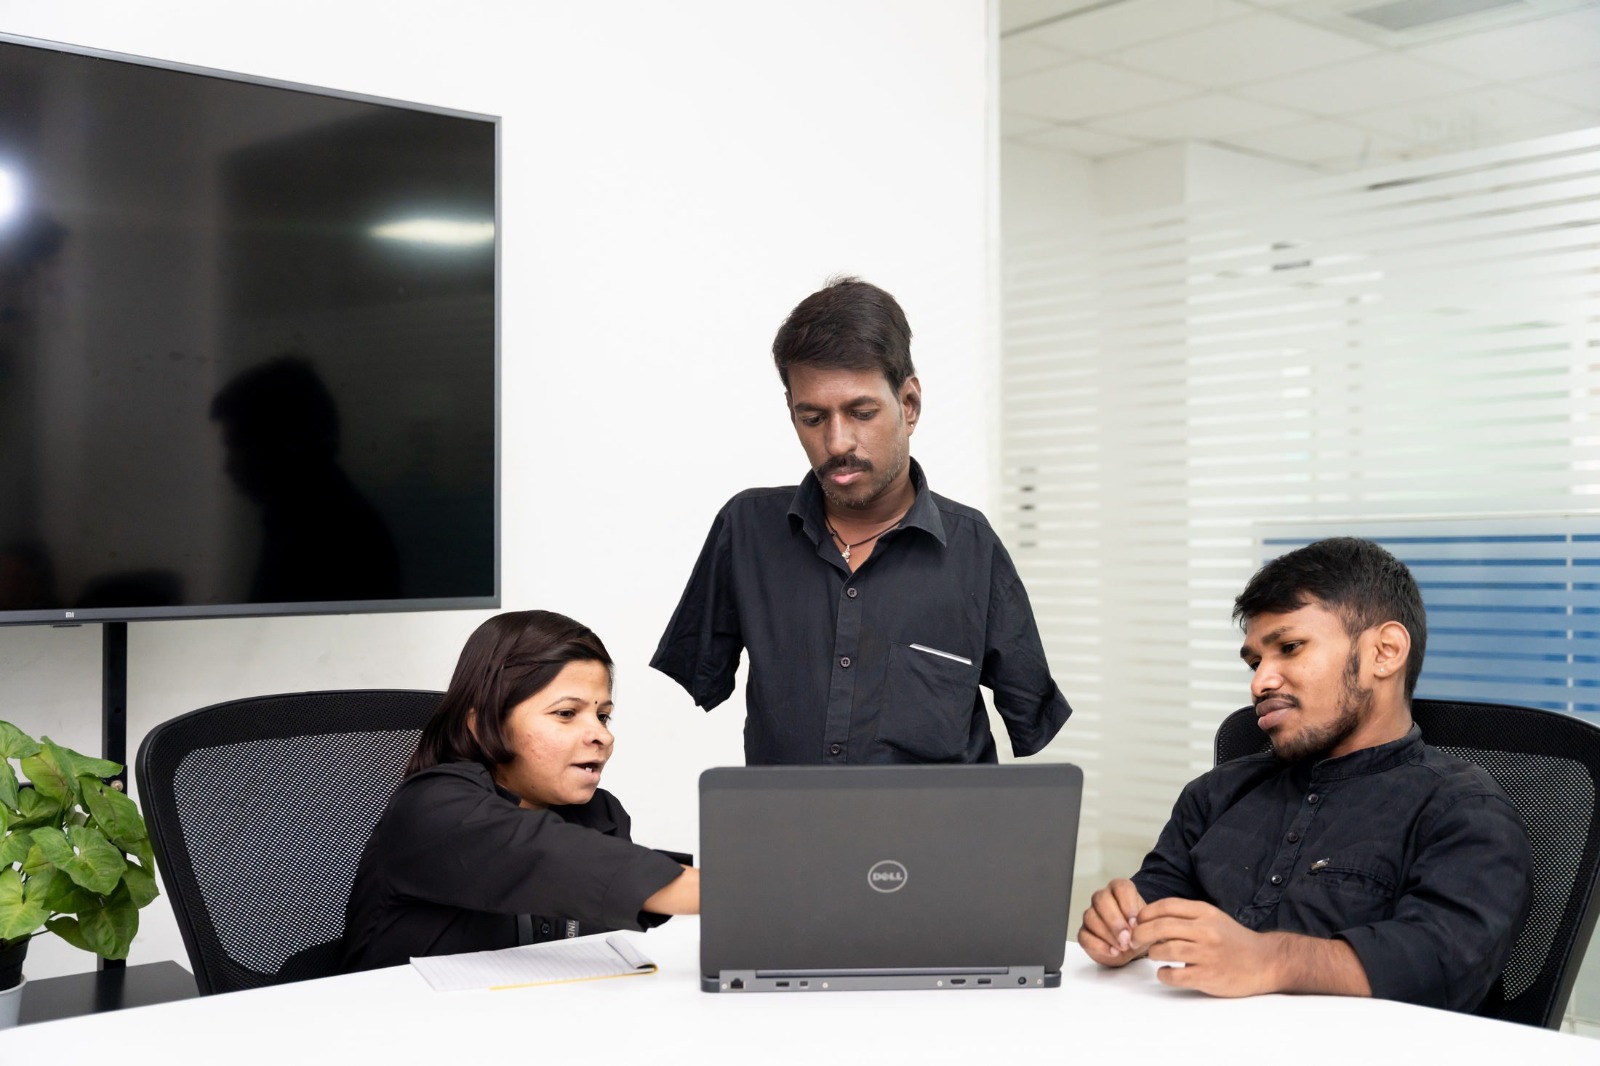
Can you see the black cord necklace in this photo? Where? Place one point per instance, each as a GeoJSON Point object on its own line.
{"type": "Point", "coordinates": [844, 547]}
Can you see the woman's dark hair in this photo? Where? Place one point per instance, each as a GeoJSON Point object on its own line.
{"type": "Point", "coordinates": [507, 659]}
{"type": "Point", "coordinates": [849, 325]}
{"type": "Point", "coordinates": [1356, 579]}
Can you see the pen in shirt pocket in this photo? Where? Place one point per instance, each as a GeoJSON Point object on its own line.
{"type": "Point", "coordinates": [941, 654]}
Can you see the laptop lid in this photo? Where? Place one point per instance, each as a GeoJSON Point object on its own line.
{"type": "Point", "coordinates": [835, 877]}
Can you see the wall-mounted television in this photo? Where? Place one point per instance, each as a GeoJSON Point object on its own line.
{"type": "Point", "coordinates": [249, 342]}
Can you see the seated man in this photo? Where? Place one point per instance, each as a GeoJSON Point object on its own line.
{"type": "Point", "coordinates": [1351, 860]}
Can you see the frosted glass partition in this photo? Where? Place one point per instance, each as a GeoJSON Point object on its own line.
{"type": "Point", "coordinates": [1412, 343]}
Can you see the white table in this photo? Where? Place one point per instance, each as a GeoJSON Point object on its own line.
{"type": "Point", "coordinates": [1096, 1017]}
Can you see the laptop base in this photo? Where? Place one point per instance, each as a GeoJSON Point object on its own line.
{"type": "Point", "coordinates": [879, 980]}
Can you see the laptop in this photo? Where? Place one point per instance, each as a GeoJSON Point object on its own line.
{"type": "Point", "coordinates": [837, 878]}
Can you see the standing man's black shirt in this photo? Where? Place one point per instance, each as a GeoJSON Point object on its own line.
{"type": "Point", "coordinates": [455, 864]}
{"type": "Point", "coordinates": [1414, 858]}
{"type": "Point", "coordinates": [882, 665]}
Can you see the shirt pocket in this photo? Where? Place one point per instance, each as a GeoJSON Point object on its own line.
{"type": "Point", "coordinates": [1343, 891]}
{"type": "Point", "coordinates": [928, 700]}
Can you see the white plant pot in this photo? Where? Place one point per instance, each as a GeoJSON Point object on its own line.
{"type": "Point", "coordinates": [11, 1004]}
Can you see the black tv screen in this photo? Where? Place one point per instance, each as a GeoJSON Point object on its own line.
{"type": "Point", "coordinates": [248, 346]}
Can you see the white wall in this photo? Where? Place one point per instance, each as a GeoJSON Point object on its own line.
{"type": "Point", "coordinates": [674, 179]}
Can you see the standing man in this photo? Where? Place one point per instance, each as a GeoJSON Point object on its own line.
{"type": "Point", "coordinates": [1353, 859]}
{"type": "Point", "coordinates": [871, 607]}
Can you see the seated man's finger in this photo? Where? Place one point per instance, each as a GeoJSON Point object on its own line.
{"type": "Point", "coordinates": [1129, 902]}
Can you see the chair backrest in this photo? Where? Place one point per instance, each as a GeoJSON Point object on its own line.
{"type": "Point", "coordinates": [258, 811]}
{"type": "Point", "coordinates": [1549, 765]}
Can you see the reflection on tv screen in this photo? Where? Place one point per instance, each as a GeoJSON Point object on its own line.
{"type": "Point", "coordinates": [247, 346]}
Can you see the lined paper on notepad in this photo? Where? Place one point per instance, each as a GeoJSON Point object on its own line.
{"type": "Point", "coordinates": [555, 962]}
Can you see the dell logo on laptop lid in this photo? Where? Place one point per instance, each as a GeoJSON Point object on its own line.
{"type": "Point", "coordinates": [887, 876]}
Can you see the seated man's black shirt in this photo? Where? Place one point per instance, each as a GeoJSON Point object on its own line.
{"type": "Point", "coordinates": [455, 864]}
{"type": "Point", "coordinates": [1413, 857]}
{"type": "Point", "coordinates": [882, 665]}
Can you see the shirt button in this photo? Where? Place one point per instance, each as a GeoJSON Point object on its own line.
{"type": "Point", "coordinates": [834, 749]}
{"type": "Point", "coordinates": [845, 662]}
{"type": "Point", "coordinates": [851, 592]}
{"type": "Point", "coordinates": [1276, 879]}
{"type": "Point", "coordinates": [1313, 798]}
{"type": "Point", "coordinates": [1294, 838]}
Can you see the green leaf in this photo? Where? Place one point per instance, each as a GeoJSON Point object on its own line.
{"type": "Point", "coordinates": [98, 864]}
{"type": "Point", "coordinates": [15, 744]}
{"type": "Point", "coordinates": [55, 892]}
{"type": "Point", "coordinates": [18, 916]}
{"type": "Point", "coordinates": [114, 814]}
{"type": "Point", "coordinates": [145, 854]}
{"type": "Point", "coordinates": [109, 928]}
{"type": "Point", "coordinates": [77, 763]}
{"type": "Point", "coordinates": [67, 929]}
{"type": "Point", "coordinates": [14, 848]}
{"type": "Point", "coordinates": [36, 810]}
{"type": "Point", "coordinates": [84, 855]}
{"type": "Point", "coordinates": [8, 784]}
{"type": "Point", "coordinates": [50, 776]}
{"type": "Point", "coordinates": [141, 885]}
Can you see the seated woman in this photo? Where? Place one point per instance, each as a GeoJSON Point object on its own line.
{"type": "Point", "coordinates": [499, 835]}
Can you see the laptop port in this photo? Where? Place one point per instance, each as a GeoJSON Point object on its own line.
{"type": "Point", "coordinates": [783, 984]}
{"type": "Point", "coordinates": [983, 980]}
{"type": "Point", "coordinates": [958, 980]}
{"type": "Point", "coordinates": [805, 984]}
{"type": "Point", "coordinates": [737, 984]}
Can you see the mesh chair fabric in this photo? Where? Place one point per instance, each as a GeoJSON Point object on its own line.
{"type": "Point", "coordinates": [259, 810]}
{"type": "Point", "coordinates": [1549, 766]}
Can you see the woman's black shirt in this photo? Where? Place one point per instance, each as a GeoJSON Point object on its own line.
{"type": "Point", "coordinates": [456, 865]}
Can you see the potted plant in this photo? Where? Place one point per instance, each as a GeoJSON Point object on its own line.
{"type": "Point", "coordinates": [75, 858]}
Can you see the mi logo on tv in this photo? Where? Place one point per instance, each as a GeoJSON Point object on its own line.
{"type": "Point", "coordinates": [887, 876]}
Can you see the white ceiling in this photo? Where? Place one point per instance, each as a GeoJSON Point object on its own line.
{"type": "Point", "coordinates": [1300, 81]}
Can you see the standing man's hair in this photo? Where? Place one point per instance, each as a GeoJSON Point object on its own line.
{"type": "Point", "coordinates": [1356, 579]}
{"type": "Point", "coordinates": [848, 325]}
{"type": "Point", "coordinates": [507, 659]}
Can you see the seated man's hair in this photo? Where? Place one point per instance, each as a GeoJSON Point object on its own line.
{"type": "Point", "coordinates": [1354, 578]}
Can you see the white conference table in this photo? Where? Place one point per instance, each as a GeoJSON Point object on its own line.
{"type": "Point", "coordinates": [1096, 1016]}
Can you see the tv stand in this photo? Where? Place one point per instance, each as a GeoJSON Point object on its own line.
{"type": "Point", "coordinates": [114, 715]}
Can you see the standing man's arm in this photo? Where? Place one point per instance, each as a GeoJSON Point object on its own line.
{"type": "Point", "coordinates": [702, 643]}
{"type": "Point", "coordinates": [1014, 665]}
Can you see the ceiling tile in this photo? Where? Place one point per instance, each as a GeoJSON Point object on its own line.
{"type": "Point", "coordinates": [1106, 29]}
{"type": "Point", "coordinates": [1320, 143]}
{"type": "Point", "coordinates": [1580, 88]}
{"type": "Point", "coordinates": [1082, 141]}
{"type": "Point", "coordinates": [1015, 14]}
{"type": "Point", "coordinates": [1468, 120]}
{"type": "Point", "coordinates": [1015, 126]}
{"type": "Point", "coordinates": [1199, 118]}
{"type": "Point", "coordinates": [1562, 42]}
{"type": "Point", "coordinates": [1019, 57]}
{"type": "Point", "coordinates": [1360, 85]}
{"type": "Point", "coordinates": [1085, 89]}
{"type": "Point", "coordinates": [1253, 48]}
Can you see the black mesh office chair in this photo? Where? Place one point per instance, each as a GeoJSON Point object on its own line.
{"type": "Point", "coordinates": [1549, 764]}
{"type": "Point", "coordinates": [258, 810]}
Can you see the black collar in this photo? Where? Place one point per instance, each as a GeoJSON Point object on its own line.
{"type": "Point", "coordinates": [1370, 760]}
{"type": "Point", "coordinates": [806, 511]}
